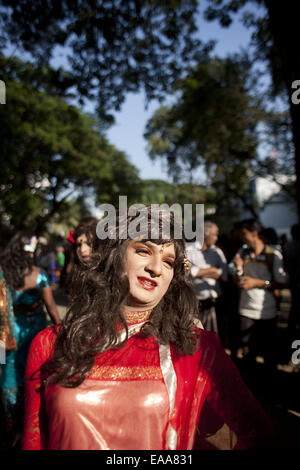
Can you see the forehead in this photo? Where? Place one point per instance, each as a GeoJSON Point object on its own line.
{"type": "Point", "coordinates": [212, 230]}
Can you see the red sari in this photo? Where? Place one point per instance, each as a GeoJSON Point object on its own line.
{"type": "Point", "coordinates": [144, 396]}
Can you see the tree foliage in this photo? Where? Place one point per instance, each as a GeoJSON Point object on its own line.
{"type": "Point", "coordinates": [114, 46]}
{"type": "Point", "coordinates": [51, 151]}
{"type": "Point", "coordinates": [212, 125]}
{"type": "Point", "coordinates": [275, 37]}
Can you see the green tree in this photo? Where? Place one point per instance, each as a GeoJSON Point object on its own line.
{"type": "Point", "coordinates": [68, 217]}
{"type": "Point", "coordinates": [211, 126]}
{"type": "Point", "coordinates": [275, 36]}
{"type": "Point", "coordinates": [113, 46]}
{"type": "Point", "coordinates": [51, 151]}
{"type": "Point", "coordinates": [162, 192]}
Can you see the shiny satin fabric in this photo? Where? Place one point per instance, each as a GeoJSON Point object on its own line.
{"type": "Point", "coordinates": [128, 401]}
{"type": "Point", "coordinates": [108, 415]}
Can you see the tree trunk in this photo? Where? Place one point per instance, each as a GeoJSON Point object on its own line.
{"type": "Point", "coordinates": [284, 26]}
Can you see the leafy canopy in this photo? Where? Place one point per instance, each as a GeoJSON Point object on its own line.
{"type": "Point", "coordinates": [212, 125]}
{"type": "Point", "coordinates": [51, 150]}
{"type": "Point", "coordinates": [113, 46]}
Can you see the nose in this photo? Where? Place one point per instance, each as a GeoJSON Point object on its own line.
{"type": "Point", "coordinates": [84, 249]}
{"type": "Point", "coordinates": [154, 266]}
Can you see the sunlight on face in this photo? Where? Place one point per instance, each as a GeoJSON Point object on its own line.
{"type": "Point", "coordinates": [150, 270]}
{"type": "Point", "coordinates": [212, 236]}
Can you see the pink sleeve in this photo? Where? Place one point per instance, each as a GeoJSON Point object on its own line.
{"type": "Point", "coordinates": [34, 418]}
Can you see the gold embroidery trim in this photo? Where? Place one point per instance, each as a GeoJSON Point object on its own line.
{"type": "Point", "coordinates": [136, 317]}
{"type": "Point", "coordinates": [126, 373]}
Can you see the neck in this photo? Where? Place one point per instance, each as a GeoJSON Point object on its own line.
{"type": "Point", "coordinates": [130, 308]}
{"type": "Point", "coordinates": [257, 246]}
{"type": "Point", "coordinates": [134, 306]}
{"type": "Point", "coordinates": [136, 314]}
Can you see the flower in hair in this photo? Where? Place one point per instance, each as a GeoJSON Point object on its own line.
{"type": "Point", "coordinates": [70, 236]}
{"type": "Point", "coordinates": [31, 246]}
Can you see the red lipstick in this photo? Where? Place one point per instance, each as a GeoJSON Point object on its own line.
{"type": "Point", "coordinates": [147, 283]}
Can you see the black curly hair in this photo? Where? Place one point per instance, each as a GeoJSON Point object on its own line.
{"type": "Point", "coordinates": [98, 298]}
{"type": "Point", "coordinates": [15, 261]}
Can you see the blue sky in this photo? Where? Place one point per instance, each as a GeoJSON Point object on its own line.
{"type": "Point", "coordinates": [127, 133]}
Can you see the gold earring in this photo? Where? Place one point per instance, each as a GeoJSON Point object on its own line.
{"type": "Point", "coordinates": [186, 264]}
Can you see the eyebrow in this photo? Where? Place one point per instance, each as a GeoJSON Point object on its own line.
{"type": "Point", "coordinates": [150, 245]}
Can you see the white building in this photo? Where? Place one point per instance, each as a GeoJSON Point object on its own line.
{"type": "Point", "coordinates": [277, 208]}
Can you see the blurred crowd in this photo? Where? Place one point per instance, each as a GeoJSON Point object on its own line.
{"type": "Point", "coordinates": [30, 268]}
{"type": "Point", "coordinates": [238, 280]}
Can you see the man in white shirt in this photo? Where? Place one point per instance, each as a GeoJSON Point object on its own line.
{"type": "Point", "coordinates": [258, 271]}
{"type": "Point", "coordinates": [209, 266]}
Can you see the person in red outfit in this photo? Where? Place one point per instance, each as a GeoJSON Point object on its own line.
{"type": "Point", "coordinates": [130, 366]}
{"type": "Point", "coordinates": [82, 241]}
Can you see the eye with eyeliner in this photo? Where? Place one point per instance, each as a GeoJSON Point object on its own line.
{"type": "Point", "coordinates": [169, 262]}
{"type": "Point", "coordinates": [143, 250]}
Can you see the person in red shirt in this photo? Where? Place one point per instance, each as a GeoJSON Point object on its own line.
{"type": "Point", "coordinates": [82, 241]}
{"type": "Point", "coordinates": [130, 367]}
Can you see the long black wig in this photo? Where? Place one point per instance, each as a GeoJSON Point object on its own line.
{"type": "Point", "coordinates": [15, 261]}
{"type": "Point", "coordinates": [98, 297]}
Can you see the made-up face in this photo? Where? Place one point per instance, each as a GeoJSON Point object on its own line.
{"type": "Point", "coordinates": [150, 270]}
{"type": "Point", "coordinates": [83, 247]}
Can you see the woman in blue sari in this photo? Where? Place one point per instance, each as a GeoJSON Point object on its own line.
{"type": "Point", "coordinates": [29, 289]}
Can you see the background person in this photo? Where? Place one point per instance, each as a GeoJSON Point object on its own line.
{"type": "Point", "coordinates": [258, 270]}
{"type": "Point", "coordinates": [30, 289]}
{"type": "Point", "coordinates": [60, 260]}
{"type": "Point", "coordinates": [83, 241]}
{"type": "Point", "coordinates": [7, 343]}
{"type": "Point", "coordinates": [209, 267]}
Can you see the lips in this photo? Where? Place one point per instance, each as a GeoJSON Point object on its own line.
{"type": "Point", "coordinates": [147, 283]}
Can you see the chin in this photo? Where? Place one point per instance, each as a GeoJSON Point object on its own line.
{"type": "Point", "coordinates": [141, 300]}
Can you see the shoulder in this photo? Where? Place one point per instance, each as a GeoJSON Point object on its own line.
{"type": "Point", "coordinates": [208, 355]}
{"type": "Point", "coordinates": [218, 251]}
{"type": "Point", "coordinates": [277, 253]}
{"type": "Point", "coordinates": [274, 252]}
{"type": "Point", "coordinates": [42, 276]}
{"type": "Point", "coordinates": [41, 349]}
{"type": "Point", "coordinates": [207, 340]}
{"type": "Point", "coordinates": [192, 247]}
{"type": "Point", "coordinates": [43, 342]}
{"type": "Point", "coordinates": [35, 269]}
{"type": "Point", "coordinates": [194, 254]}
{"type": "Point", "coordinates": [46, 335]}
